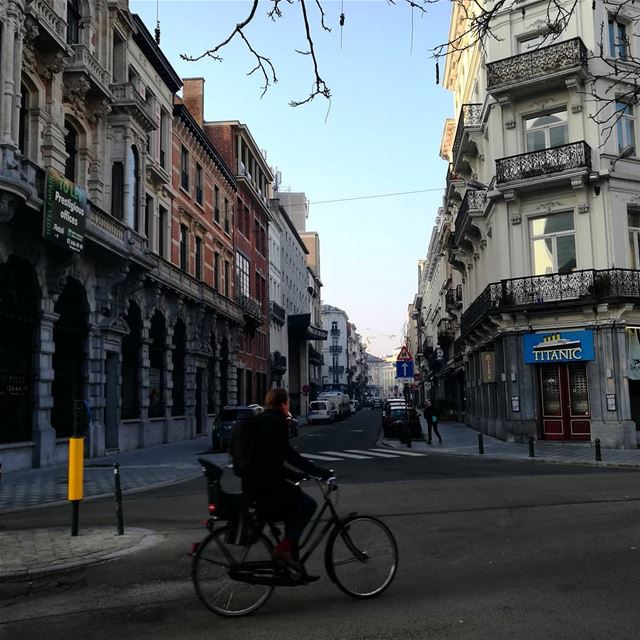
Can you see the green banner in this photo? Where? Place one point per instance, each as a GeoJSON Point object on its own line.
{"type": "Point", "coordinates": [65, 209]}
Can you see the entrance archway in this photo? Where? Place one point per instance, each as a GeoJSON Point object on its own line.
{"type": "Point", "coordinates": [179, 353]}
{"type": "Point", "coordinates": [19, 301]}
{"type": "Point", "coordinates": [157, 349]}
{"type": "Point", "coordinates": [69, 337]}
{"type": "Point", "coordinates": [131, 363]}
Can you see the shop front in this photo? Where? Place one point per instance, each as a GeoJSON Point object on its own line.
{"type": "Point", "coordinates": [562, 376]}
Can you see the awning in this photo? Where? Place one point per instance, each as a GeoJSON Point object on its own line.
{"type": "Point", "coordinates": [300, 328]}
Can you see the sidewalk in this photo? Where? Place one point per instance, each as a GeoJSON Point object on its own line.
{"type": "Point", "coordinates": [458, 439]}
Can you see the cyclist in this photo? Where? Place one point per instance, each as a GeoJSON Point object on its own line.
{"type": "Point", "coordinates": [270, 483]}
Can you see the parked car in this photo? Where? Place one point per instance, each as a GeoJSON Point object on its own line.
{"type": "Point", "coordinates": [341, 400]}
{"type": "Point", "coordinates": [398, 418]}
{"type": "Point", "coordinates": [321, 411]}
{"type": "Point", "coordinates": [224, 422]}
{"type": "Point", "coordinates": [376, 403]}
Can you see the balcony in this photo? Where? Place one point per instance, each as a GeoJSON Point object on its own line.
{"type": "Point", "coordinates": [315, 357]}
{"type": "Point", "coordinates": [453, 298]}
{"type": "Point", "coordinates": [548, 65]}
{"type": "Point", "coordinates": [20, 181]}
{"type": "Point", "coordinates": [277, 364]}
{"type": "Point", "coordinates": [473, 205]}
{"type": "Point", "coordinates": [277, 313]}
{"type": "Point", "coordinates": [85, 63]}
{"type": "Point", "coordinates": [446, 331]}
{"type": "Point", "coordinates": [470, 116]}
{"type": "Point", "coordinates": [553, 292]}
{"type": "Point", "coordinates": [552, 162]}
{"type": "Point", "coordinates": [156, 173]}
{"type": "Point", "coordinates": [52, 29]}
{"type": "Point", "coordinates": [128, 100]}
{"type": "Point", "coordinates": [336, 370]}
{"type": "Point", "coordinates": [334, 332]}
{"type": "Point", "coordinates": [335, 348]}
{"type": "Point", "coordinates": [251, 310]}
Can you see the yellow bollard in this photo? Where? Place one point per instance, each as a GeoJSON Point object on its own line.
{"type": "Point", "coordinates": [75, 489]}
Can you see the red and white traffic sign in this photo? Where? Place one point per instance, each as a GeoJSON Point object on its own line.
{"type": "Point", "coordinates": [404, 354]}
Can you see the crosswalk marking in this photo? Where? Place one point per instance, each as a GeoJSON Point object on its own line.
{"type": "Point", "coordinates": [400, 452]}
{"type": "Point", "coordinates": [313, 456]}
{"type": "Point", "coordinates": [374, 453]}
{"type": "Point", "coordinates": [345, 455]}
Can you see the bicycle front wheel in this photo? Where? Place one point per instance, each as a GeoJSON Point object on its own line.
{"type": "Point", "coordinates": [210, 573]}
{"type": "Point", "coordinates": [362, 556]}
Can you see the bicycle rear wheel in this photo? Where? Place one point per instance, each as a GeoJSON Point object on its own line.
{"type": "Point", "coordinates": [210, 573]}
{"type": "Point", "coordinates": [362, 556]}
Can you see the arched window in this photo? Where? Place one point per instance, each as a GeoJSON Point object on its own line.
{"type": "Point", "coordinates": [23, 124]}
{"type": "Point", "coordinates": [73, 21]}
{"type": "Point", "coordinates": [179, 352]}
{"type": "Point", "coordinates": [117, 190]}
{"type": "Point", "coordinates": [71, 148]}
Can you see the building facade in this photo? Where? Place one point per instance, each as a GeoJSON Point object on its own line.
{"type": "Point", "coordinates": [94, 306]}
{"type": "Point", "coordinates": [334, 352]}
{"type": "Point", "coordinates": [540, 223]}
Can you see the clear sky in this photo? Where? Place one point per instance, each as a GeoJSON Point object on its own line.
{"type": "Point", "coordinates": [380, 133]}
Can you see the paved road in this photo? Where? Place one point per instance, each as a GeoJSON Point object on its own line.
{"type": "Point", "coordinates": [489, 549]}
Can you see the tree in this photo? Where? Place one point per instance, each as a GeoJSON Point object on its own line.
{"type": "Point", "coordinates": [613, 79]}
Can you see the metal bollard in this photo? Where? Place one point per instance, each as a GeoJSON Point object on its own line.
{"type": "Point", "coordinates": [598, 452]}
{"type": "Point", "coordinates": [118, 492]}
{"type": "Point", "coordinates": [531, 451]}
{"type": "Point", "coordinates": [480, 444]}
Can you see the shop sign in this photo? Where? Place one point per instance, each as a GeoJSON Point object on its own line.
{"type": "Point", "coordinates": [558, 346]}
{"type": "Point", "coordinates": [488, 366]}
{"type": "Point", "coordinates": [65, 208]}
{"type": "Point", "coordinates": [13, 385]}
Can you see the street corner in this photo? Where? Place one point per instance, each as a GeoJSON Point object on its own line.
{"type": "Point", "coordinates": [37, 552]}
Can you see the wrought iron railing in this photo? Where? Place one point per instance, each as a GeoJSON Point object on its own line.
{"type": "Point", "coordinates": [315, 357]}
{"type": "Point", "coordinates": [335, 332]}
{"type": "Point", "coordinates": [540, 163]}
{"type": "Point", "coordinates": [335, 348]}
{"type": "Point", "coordinates": [277, 313]}
{"type": "Point", "coordinates": [470, 116]}
{"type": "Point", "coordinates": [472, 201]}
{"type": "Point", "coordinates": [278, 362]}
{"type": "Point", "coordinates": [538, 63]}
{"type": "Point", "coordinates": [588, 286]}
{"type": "Point", "coordinates": [250, 306]}
{"type": "Point", "coordinates": [339, 370]}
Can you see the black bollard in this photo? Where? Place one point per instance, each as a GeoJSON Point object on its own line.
{"type": "Point", "coordinates": [531, 451]}
{"type": "Point", "coordinates": [118, 491]}
{"type": "Point", "coordinates": [480, 444]}
{"type": "Point", "coordinates": [598, 452]}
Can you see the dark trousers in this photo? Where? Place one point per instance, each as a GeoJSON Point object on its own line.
{"type": "Point", "coordinates": [433, 426]}
{"type": "Point", "coordinates": [289, 505]}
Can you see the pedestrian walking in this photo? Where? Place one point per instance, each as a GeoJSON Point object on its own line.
{"type": "Point", "coordinates": [430, 414]}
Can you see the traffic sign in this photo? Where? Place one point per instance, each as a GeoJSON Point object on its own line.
{"type": "Point", "coordinates": [404, 354]}
{"type": "Point", "coordinates": [404, 369]}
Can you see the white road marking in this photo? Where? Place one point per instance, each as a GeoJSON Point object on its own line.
{"type": "Point", "coordinates": [313, 456]}
{"type": "Point", "coordinates": [399, 452]}
{"type": "Point", "coordinates": [373, 453]}
{"type": "Point", "coordinates": [345, 455]}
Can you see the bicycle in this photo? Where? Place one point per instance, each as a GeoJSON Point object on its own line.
{"type": "Point", "coordinates": [232, 568]}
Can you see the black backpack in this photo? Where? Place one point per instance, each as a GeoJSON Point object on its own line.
{"type": "Point", "coordinates": [242, 445]}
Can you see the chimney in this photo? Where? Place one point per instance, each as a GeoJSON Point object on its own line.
{"type": "Point", "coordinates": [193, 97]}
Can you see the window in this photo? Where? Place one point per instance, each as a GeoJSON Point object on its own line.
{"type": "Point", "coordinates": [550, 130]}
{"type": "Point", "coordinates": [227, 228]}
{"type": "Point", "coordinates": [633, 220]}
{"type": "Point", "coordinates": [618, 41]}
{"type": "Point", "coordinates": [216, 203]}
{"type": "Point", "coordinates": [117, 190]}
{"type": "Point", "coordinates": [23, 123]}
{"type": "Point", "coordinates": [625, 127]}
{"type": "Point", "coordinates": [246, 224]}
{"type": "Point", "coordinates": [71, 148]}
{"type": "Point", "coordinates": [162, 231]}
{"type": "Point", "coordinates": [256, 235]}
{"type": "Point", "coordinates": [198, 184]}
{"type": "Point", "coordinates": [226, 278]}
{"type": "Point", "coordinates": [73, 21]}
{"type": "Point", "coordinates": [531, 42]}
{"type": "Point", "coordinates": [216, 271]}
{"type": "Point", "coordinates": [242, 273]}
{"type": "Point", "coordinates": [198, 258]}
{"type": "Point", "coordinates": [148, 216]}
{"type": "Point", "coordinates": [164, 135]}
{"type": "Point", "coordinates": [118, 61]}
{"type": "Point", "coordinates": [184, 247]}
{"type": "Point", "coordinates": [134, 184]}
{"type": "Point", "coordinates": [554, 244]}
{"type": "Point", "coordinates": [258, 287]}
{"type": "Point", "coordinates": [184, 168]}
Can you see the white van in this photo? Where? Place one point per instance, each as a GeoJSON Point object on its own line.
{"type": "Point", "coordinates": [334, 404]}
{"type": "Point", "coordinates": [341, 400]}
{"type": "Point", "coordinates": [321, 411]}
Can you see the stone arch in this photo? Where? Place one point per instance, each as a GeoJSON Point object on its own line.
{"type": "Point", "coordinates": [70, 333]}
{"type": "Point", "coordinates": [20, 297]}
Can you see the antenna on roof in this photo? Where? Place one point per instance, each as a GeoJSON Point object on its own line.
{"type": "Point", "coordinates": [158, 22]}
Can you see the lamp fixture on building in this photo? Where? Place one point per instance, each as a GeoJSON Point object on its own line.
{"type": "Point", "coordinates": [629, 150]}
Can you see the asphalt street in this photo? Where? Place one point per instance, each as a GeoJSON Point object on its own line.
{"type": "Point", "coordinates": [488, 549]}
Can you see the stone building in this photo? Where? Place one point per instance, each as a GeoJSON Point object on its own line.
{"type": "Point", "coordinates": [94, 303]}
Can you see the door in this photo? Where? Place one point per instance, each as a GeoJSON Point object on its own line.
{"type": "Point", "coordinates": [199, 400]}
{"type": "Point", "coordinates": [565, 402]}
{"type": "Point", "coordinates": [111, 370]}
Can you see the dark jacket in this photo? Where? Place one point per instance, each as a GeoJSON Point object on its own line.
{"type": "Point", "coordinates": [270, 450]}
{"type": "Point", "coordinates": [429, 412]}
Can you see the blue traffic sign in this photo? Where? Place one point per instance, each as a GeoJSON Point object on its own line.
{"type": "Point", "coordinates": [404, 369]}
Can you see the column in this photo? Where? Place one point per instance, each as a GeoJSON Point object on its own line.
{"type": "Point", "coordinates": [8, 88]}
{"type": "Point", "coordinates": [168, 382]}
{"type": "Point", "coordinates": [143, 435]}
{"type": "Point", "coordinates": [95, 393]}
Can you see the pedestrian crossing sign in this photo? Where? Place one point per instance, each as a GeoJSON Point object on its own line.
{"type": "Point", "coordinates": [404, 354]}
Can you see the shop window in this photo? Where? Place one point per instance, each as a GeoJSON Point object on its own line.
{"type": "Point", "coordinates": [544, 131]}
{"type": "Point", "coordinates": [553, 244]}
{"type": "Point", "coordinates": [625, 125]}
{"type": "Point", "coordinates": [618, 40]}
